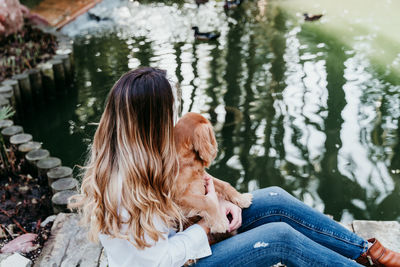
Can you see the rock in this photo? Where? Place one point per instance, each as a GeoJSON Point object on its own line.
{"type": "Point", "coordinates": [23, 189]}
{"type": "Point", "coordinates": [11, 228]}
{"type": "Point", "coordinates": [387, 232]}
{"type": "Point", "coordinates": [51, 218]}
{"type": "Point", "coordinates": [23, 244]}
{"type": "Point", "coordinates": [16, 260]}
{"type": "Point", "coordinates": [68, 245]}
{"type": "Point", "coordinates": [2, 233]}
{"type": "Point", "coordinates": [12, 17]}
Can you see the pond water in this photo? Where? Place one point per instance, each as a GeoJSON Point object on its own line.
{"type": "Point", "coordinates": [311, 107]}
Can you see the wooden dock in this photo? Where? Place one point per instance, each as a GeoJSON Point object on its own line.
{"type": "Point", "coordinates": [60, 12]}
{"type": "Point", "coordinates": [68, 245]}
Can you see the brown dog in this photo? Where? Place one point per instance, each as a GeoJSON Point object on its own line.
{"type": "Point", "coordinates": [197, 148]}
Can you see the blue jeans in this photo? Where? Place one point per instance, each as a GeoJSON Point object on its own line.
{"type": "Point", "coordinates": [280, 228]}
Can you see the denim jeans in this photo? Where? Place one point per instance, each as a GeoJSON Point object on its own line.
{"type": "Point", "coordinates": [280, 228]}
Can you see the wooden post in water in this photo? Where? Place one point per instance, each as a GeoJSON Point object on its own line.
{"type": "Point", "coordinates": [8, 93]}
{"type": "Point", "coordinates": [58, 173]}
{"type": "Point", "coordinates": [35, 78]}
{"type": "Point", "coordinates": [60, 200]}
{"type": "Point", "coordinates": [20, 139]}
{"type": "Point", "coordinates": [67, 67]}
{"type": "Point", "coordinates": [49, 86]}
{"type": "Point", "coordinates": [4, 102]}
{"type": "Point", "coordinates": [10, 131]}
{"type": "Point", "coordinates": [17, 93]}
{"type": "Point", "coordinates": [64, 184]}
{"type": "Point", "coordinates": [44, 165]}
{"type": "Point", "coordinates": [25, 88]}
{"type": "Point", "coordinates": [29, 146]}
{"type": "Point", "coordinates": [33, 157]}
{"type": "Point", "coordinates": [6, 123]}
{"type": "Point", "coordinates": [59, 74]}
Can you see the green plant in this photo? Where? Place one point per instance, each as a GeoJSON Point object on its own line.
{"type": "Point", "coordinates": [5, 113]}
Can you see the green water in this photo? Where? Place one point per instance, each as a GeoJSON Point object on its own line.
{"type": "Point", "coordinates": [311, 107]}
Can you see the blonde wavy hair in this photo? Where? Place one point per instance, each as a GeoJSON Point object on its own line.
{"type": "Point", "coordinates": [134, 139]}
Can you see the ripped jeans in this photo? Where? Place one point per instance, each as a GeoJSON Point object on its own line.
{"type": "Point", "coordinates": [280, 228]}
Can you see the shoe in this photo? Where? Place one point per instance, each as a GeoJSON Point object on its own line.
{"type": "Point", "coordinates": [378, 255]}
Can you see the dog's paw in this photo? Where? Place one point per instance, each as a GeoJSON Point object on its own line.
{"type": "Point", "coordinates": [244, 200]}
{"type": "Point", "coordinates": [221, 226]}
{"type": "Point", "coordinates": [190, 262]}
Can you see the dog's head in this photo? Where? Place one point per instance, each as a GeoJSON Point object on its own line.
{"type": "Point", "coordinates": [196, 133]}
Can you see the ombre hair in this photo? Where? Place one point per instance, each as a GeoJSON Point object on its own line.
{"type": "Point", "coordinates": [134, 139]}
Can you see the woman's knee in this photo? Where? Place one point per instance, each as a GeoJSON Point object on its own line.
{"type": "Point", "coordinates": [271, 194]}
{"type": "Point", "coordinates": [281, 231]}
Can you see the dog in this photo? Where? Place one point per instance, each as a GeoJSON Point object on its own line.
{"type": "Point", "coordinates": [197, 148]}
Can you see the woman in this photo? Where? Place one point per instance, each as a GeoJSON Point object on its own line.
{"type": "Point", "coordinates": [129, 187]}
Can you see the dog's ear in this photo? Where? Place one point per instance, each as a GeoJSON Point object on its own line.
{"type": "Point", "coordinates": [204, 143]}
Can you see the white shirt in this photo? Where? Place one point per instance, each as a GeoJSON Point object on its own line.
{"type": "Point", "coordinates": [174, 250]}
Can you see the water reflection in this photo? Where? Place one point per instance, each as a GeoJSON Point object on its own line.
{"type": "Point", "coordinates": [291, 103]}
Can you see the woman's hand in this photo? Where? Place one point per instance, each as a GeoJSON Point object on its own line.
{"type": "Point", "coordinates": [225, 206]}
{"type": "Point", "coordinates": [211, 195]}
{"type": "Point", "coordinates": [235, 211]}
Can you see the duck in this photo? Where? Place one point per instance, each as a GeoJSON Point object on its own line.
{"type": "Point", "coordinates": [204, 36]}
{"type": "Point", "coordinates": [232, 4]}
{"type": "Point", "coordinates": [199, 2]}
{"type": "Point", "coordinates": [96, 17]}
{"type": "Point", "coordinates": [311, 17]}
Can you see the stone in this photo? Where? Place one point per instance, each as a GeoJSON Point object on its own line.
{"type": "Point", "coordinates": [68, 245]}
{"type": "Point", "coordinates": [2, 233]}
{"type": "Point", "coordinates": [23, 243]}
{"type": "Point", "coordinates": [387, 232]}
{"type": "Point", "coordinates": [49, 219]}
{"type": "Point", "coordinates": [12, 17]}
{"type": "Point", "coordinates": [16, 260]}
{"type": "Point", "coordinates": [23, 189]}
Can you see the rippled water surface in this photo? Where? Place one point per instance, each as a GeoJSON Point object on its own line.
{"type": "Point", "coordinates": [311, 107]}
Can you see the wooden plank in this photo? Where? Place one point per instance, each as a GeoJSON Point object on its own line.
{"type": "Point", "coordinates": [68, 245]}
{"type": "Point", "coordinates": [60, 12]}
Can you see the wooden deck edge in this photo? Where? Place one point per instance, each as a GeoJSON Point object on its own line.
{"type": "Point", "coordinates": [83, 10]}
{"type": "Point", "coordinates": [65, 19]}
